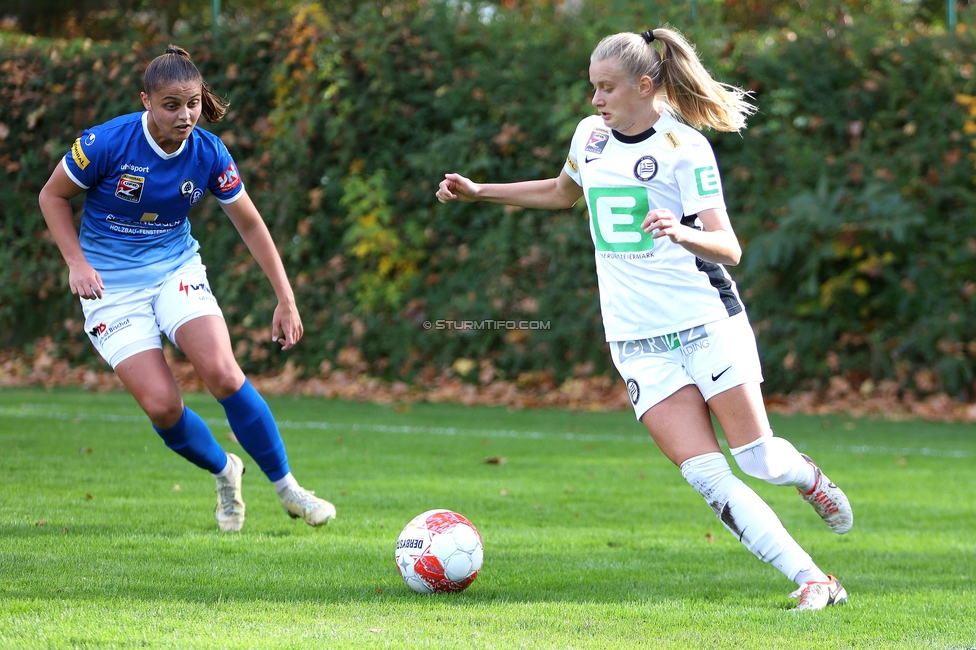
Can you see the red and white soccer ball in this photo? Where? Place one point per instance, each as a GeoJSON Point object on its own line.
{"type": "Point", "coordinates": [438, 551]}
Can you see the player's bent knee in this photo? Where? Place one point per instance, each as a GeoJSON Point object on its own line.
{"type": "Point", "coordinates": [769, 458]}
{"type": "Point", "coordinates": [163, 413]}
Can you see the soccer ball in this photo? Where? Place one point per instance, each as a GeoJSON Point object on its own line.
{"type": "Point", "coordinates": [438, 551]}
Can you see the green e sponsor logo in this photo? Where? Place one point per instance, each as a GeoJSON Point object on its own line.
{"type": "Point", "coordinates": [617, 214]}
{"type": "Point", "coordinates": [707, 179]}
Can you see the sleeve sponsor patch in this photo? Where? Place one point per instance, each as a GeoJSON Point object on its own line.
{"type": "Point", "coordinates": [672, 139]}
{"type": "Point", "coordinates": [572, 164]}
{"type": "Point", "coordinates": [79, 155]}
{"type": "Point", "coordinates": [230, 179]}
{"type": "Point", "coordinates": [708, 182]}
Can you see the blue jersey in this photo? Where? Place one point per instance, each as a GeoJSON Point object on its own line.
{"type": "Point", "coordinates": [134, 228]}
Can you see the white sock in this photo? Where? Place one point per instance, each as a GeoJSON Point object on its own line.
{"type": "Point", "coordinates": [285, 482]}
{"type": "Point", "coordinates": [775, 461]}
{"type": "Point", "coordinates": [224, 472]}
{"type": "Point", "coordinates": [746, 515]}
{"type": "Point", "coordinates": [810, 575]}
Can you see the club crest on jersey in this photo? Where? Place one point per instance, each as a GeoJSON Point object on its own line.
{"type": "Point", "coordinates": [130, 188]}
{"type": "Point", "coordinates": [189, 190]}
{"type": "Point", "coordinates": [597, 142]}
{"type": "Point", "coordinates": [646, 168]}
{"type": "Point", "coordinates": [634, 389]}
{"type": "Point", "coordinates": [230, 179]}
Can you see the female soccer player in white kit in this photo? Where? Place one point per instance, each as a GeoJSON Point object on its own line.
{"type": "Point", "coordinates": [138, 273]}
{"type": "Point", "coordinates": [677, 330]}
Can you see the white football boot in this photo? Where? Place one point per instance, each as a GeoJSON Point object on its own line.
{"type": "Point", "coordinates": [818, 595]}
{"type": "Point", "coordinates": [301, 503]}
{"type": "Point", "coordinates": [829, 501]}
{"type": "Point", "coordinates": [230, 505]}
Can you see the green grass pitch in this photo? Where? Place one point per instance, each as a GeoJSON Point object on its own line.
{"type": "Point", "coordinates": [592, 538]}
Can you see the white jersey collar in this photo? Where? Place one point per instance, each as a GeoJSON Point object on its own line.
{"type": "Point", "coordinates": [152, 143]}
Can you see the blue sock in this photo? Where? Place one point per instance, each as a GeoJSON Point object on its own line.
{"type": "Point", "coordinates": [190, 437]}
{"type": "Point", "coordinates": [255, 428]}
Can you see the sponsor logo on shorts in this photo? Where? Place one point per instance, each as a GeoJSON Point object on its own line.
{"type": "Point", "coordinates": [105, 332]}
{"type": "Point", "coordinates": [634, 389]}
{"type": "Point", "coordinates": [715, 377]}
{"type": "Point", "coordinates": [130, 188]}
{"type": "Point", "coordinates": [230, 179]}
{"type": "Point", "coordinates": [646, 168]}
{"type": "Point", "coordinates": [688, 341]}
{"type": "Point", "coordinates": [597, 141]}
{"type": "Point", "coordinates": [78, 155]}
{"type": "Point", "coordinates": [188, 287]}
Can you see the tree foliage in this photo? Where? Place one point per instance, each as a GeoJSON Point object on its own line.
{"type": "Point", "coordinates": [852, 189]}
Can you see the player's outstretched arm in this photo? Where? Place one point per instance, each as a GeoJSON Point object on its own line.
{"type": "Point", "coordinates": [548, 194]}
{"type": "Point", "coordinates": [286, 324]}
{"type": "Point", "coordinates": [54, 201]}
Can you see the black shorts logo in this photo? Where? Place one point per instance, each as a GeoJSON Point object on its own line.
{"type": "Point", "coordinates": [634, 390]}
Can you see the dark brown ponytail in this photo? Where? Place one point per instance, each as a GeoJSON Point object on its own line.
{"type": "Point", "coordinates": [176, 66]}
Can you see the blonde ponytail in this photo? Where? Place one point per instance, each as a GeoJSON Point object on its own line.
{"type": "Point", "coordinates": [688, 88]}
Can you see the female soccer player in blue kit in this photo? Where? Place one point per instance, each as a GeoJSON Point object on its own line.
{"type": "Point", "coordinates": [137, 270]}
{"type": "Point", "coordinates": [676, 326]}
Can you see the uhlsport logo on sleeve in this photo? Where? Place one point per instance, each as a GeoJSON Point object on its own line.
{"type": "Point", "coordinates": [229, 179]}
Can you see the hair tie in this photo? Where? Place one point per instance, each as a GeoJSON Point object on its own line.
{"type": "Point", "coordinates": [648, 35]}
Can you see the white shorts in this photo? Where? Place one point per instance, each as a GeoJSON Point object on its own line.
{"type": "Point", "coordinates": [715, 357]}
{"type": "Point", "coordinates": [123, 323]}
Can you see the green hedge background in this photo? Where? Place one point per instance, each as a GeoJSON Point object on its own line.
{"type": "Point", "coordinates": [853, 190]}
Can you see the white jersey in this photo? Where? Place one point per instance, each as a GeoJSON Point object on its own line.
{"type": "Point", "coordinates": [650, 287]}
